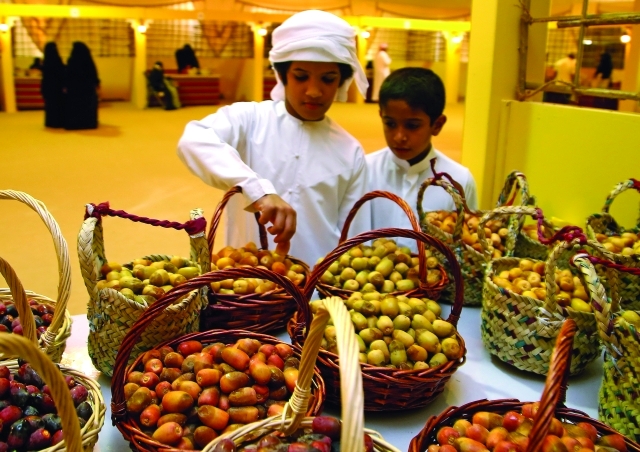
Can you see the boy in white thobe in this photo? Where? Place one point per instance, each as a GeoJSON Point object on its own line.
{"type": "Point", "coordinates": [411, 104]}
{"type": "Point", "coordinates": [297, 167]}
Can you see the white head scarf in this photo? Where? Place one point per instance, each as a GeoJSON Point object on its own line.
{"type": "Point", "coordinates": [317, 36]}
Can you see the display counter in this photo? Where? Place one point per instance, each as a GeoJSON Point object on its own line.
{"type": "Point", "coordinates": [194, 89]}
{"type": "Point", "coordinates": [480, 377]}
{"type": "Point", "coordinates": [28, 95]}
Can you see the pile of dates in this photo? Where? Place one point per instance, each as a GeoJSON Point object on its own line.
{"type": "Point", "coordinates": [187, 396]}
{"type": "Point", "coordinates": [324, 436]}
{"type": "Point", "coordinates": [28, 417]}
{"type": "Point", "coordinates": [487, 431]}
{"type": "Point", "coordinates": [10, 321]}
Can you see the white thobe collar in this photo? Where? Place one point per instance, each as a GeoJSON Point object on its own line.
{"type": "Point", "coordinates": [281, 111]}
{"type": "Point", "coordinates": [418, 167]}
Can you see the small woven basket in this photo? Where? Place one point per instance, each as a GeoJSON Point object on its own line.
{"type": "Point", "coordinates": [265, 312]}
{"type": "Point", "coordinates": [128, 425]}
{"type": "Point", "coordinates": [386, 389]}
{"type": "Point", "coordinates": [628, 288]}
{"type": "Point", "coordinates": [26, 347]}
{"type": "Point", "coordinates": [423, 290]}
{"type": "Point", "coordinates": [350, 386]}
{"type": "Point", "coordinates": [528, 344]}
{"type": "Point", "coordinates": [618, 398]}
{"type": "Point", "coordinates": [111, 314]}
{"type": "Point", "coordinates": [551, 404]}
{"type": "Point", "coordinates": [472, 261]}
{"type": "Point", "coordinates": [54, 340]}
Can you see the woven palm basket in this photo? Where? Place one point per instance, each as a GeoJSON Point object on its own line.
{"type": "Point", "coordinates": [521, 330]}
{"type": "Point", "coordinates": [265, 312]}
{"type": "Point", "coordinates": [27, 348]}
{"type": "Point", "coordinates": [128, 424]}
{"type": "Point", "coordinates": [111, 315]}
{"type": "Point", "coordinates": [386, 389]}
{"type": "Point", "coordinates": [469, 256]}
{"type": "Point", "coordinates": [424, 289]}
{"type": "Point", "coordinates": [627, 288]}
{"type": "Point", "coordinates": [618, 398]}
{"type": "Point", "coordinates": [293, 418]}
{"type": "Point", "coordinates": [551, 404]}
{"type": "Point", "coordinates": [54, 340]}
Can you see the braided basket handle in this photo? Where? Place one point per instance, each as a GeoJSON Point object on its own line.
{"type": "Point", "coordinates": [555, 387]}
{"type": "Point", "coordinates": [135, 332]}
{"type": "Point", "coordinates": [407, 210]}
{"type": "Point", "coordinates": [509, 211]}
{"type": "Point", "coordinates": [515, 181]}
{"type": "Point", "coordinates": [62, 255]}
{"type": "Point", "coordinates": [20, 300]}
{"type": "Point", "coordinates": [217, 216]}
{"type": "Point", "coordinates": [619, 188]}
{"type": "Point", "coordinates": [14, 345]}
{"type": "Point", "coordinates": [460, 204]}
{"type": "Point", "coordinates": [320, 268]}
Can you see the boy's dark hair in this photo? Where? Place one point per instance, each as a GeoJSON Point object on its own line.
{"type": "Point", "coordinates": [420, 88]}
{"type": "Point", "coordinates": [346, 71]}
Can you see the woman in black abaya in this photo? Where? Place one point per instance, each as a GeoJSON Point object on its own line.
{"type": "Point", "coordinates": [82, 85]}
{"type": "Point", "coordinates": [52, 87]}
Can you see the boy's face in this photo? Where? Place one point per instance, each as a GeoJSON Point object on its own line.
{"type": "Point", "coordinates": [408, 131]}
{"type": "Point", "coordinates": [310, 89]}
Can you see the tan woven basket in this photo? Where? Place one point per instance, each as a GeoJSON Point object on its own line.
{"type": "Point", "coordinates": [293, 417]}
{"type": "Point", "coordinates": [111, 314]}
{"type": "Point", "coordinates": [26, 347]}
{"type": "Point", "coordinates": [386, 389]}
{"type": "Point", "coordinates": [628, 288]}
{"type": "Point", "coordinates": [618, 398]}
{"type": "Point", "coordinates": [54, 340]}
{"type": "Point", "coordinates": [521, 330]}
{"type": "Point", "coordinates": [471, 260]}
{"type": "Point", "coordinates": [269, 311]}
{"type": "Point", "coordinates": [432, 291]}
{"type": "Point", "coordinates": [128, 425]}
{"type": "Point", "coordinates": [551, 404]}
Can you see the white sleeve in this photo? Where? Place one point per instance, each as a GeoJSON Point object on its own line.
{"type": "Point", "coordinates": [213, 150]}
{"type": "Point", "coordinates": [357, 189]}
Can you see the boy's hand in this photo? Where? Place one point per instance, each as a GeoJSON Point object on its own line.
{"type": "Point", "coordinates": [273, 209]}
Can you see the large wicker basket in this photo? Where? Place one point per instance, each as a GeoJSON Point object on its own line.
{"type": "Point", "coordinates": [521, 330]}
{"type": "Point", "coordinates": [350, 386]}
{"type": "Point", "coordinates": [470, 257]}
{"type": "Point", "coordinates": [551, 404]}
{"type": "Point", "coordinates": [110, 313]}
{"type": "Point", "coordinates": [265, 312]}
{"type": "Point", "coordinates": [424, 289]}
{"type": "Point", "coordinates": [618, 402]}
{"type": "Point", "coordinates": [627, 288]}
{"type": "Point", "coordinates": [26, 347]}
{"type": "Point", "coordinates": [129, 426]}
{"type": "Point", "coordinates": [386, 389]}
{"type": "Point", "coordinates": [54, 340]}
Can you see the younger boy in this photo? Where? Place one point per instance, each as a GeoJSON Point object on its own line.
{"type": "Point", "coordinates": [411, 103]}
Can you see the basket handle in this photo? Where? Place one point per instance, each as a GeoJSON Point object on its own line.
{"type": "Point", "coordinates": [407, 210]}
{"type": "Point", "coordinates": [345, 246]}
{"type": "Point", "coordinates": [458, 200]}
{"type": "Point", "coordinates": [619, 188]}
{"type": "Point", "coordinates": [515, 181]}
{"type": "Point", "coordinates": [12, 345]}
{"type": "Point", "coordinates": [132, 337]}
{"type": "Point", "coordinates": [217, 216]}
{"type": "Point", "coordinates": [555, 387]}
{"type": "Point", "coordinates": [508, 211]}
{"type": "Point", "coordinates": [62, 255]}
{"type": "Point", "coordinates": [21, 301]}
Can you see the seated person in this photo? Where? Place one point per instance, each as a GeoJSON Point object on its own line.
{"type": "Point", "coordinates": [164, 87]}
{"type": "Point", "coordinates": [187, 60]}
{"type": "Point", "coordinates": [411, 104]}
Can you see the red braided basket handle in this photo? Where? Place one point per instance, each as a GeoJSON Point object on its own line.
{"type": "Point", "coordinates": [345, 246]}
{"type": "Point", "coordinates": [217, 216]}
{"type": "Point", "coordinates": [118, 403]}
{"type": "Point", "coordinates": [407, 210]}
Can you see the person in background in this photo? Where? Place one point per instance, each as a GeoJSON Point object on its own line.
{"type": "Point", "coordinates": [602, 77]}
{"type": "Point", "coordinates": [412, 101]}
{"type": "Point", "coordinates": [565, 69]}
{"type": "Point", "coordinates": [164, 87]}
{"type": "Point", "coordinates": [381, 69]}
{"type": "Point", "coordinates": [36, 66]}
{"type": "Point", "coordinates": [187, 60]}
{"type": "Point", "coordinates": [52, 86]}
{"type": "Point", "coordinates": [299, 169]}
{"type": "Point", "coordinates": [81, 110]}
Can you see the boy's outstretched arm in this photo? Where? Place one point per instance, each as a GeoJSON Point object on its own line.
{"type": "Point", "coordinates": [273, 209]}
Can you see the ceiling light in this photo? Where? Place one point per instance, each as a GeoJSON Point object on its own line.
{"type": "Point", "coordinates": [262, 31]}
{"type": "Point", "coordinates": [457, 39]}
{"type": "Point", "coordinates": [587, 42]}
{"type": "Point", "coordinates": [625, 38]}
{"type": "Point", "coordinates": [365, 34]}
{"type": "Point", "coordinates": [4, 28]}
{"type": "Point", "coordinates": [142, 28]}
